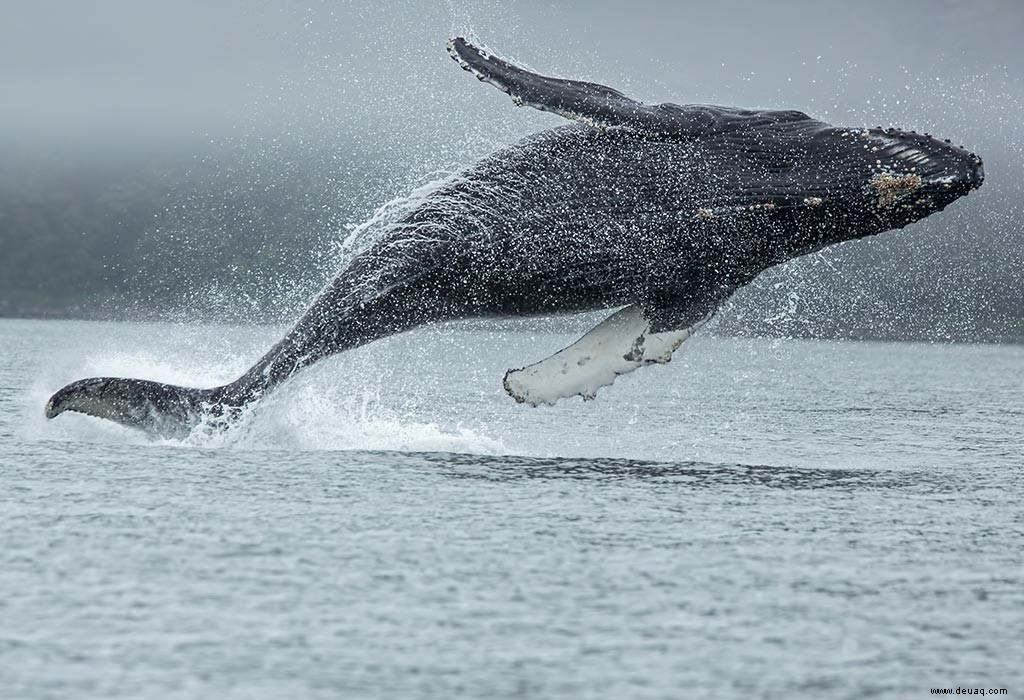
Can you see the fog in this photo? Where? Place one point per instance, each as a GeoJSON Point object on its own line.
{"type": "Point", "coordinates": [333, 107]}
{"type": "Point", "coordinates": [73, 69]}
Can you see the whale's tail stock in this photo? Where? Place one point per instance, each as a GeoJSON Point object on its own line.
{"type": "Point", "coordinates": [160, 409]}
{"type": "Point", "coordinates": [170, 411]}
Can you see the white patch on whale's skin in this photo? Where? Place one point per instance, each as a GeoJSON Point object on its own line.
{"type": "Point", "coordinates": [620, 344]}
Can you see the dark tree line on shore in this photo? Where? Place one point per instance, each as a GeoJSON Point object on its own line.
{"type": "Point", "coordinates": [236, 236]}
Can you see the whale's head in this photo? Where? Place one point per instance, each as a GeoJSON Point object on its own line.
{"type": "Point", "coordinates": [888, 178]}
{"type": "Point", "coordinates": [815, 184]}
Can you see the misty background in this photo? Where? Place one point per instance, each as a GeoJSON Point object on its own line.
{"type": "Point", "coordinates": [203, 161]}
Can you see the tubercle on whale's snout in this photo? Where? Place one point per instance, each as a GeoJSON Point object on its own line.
{"type": "Point", "coordinates": [977, 173]}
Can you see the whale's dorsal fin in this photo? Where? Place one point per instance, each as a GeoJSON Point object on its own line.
{"type": "Point", "coordinates": [590, 103]}
{"type": "Point", "coordinates": [620, 344]}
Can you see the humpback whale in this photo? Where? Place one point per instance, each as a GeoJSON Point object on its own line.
{"type": "Point", "coordinates": [656, 211]}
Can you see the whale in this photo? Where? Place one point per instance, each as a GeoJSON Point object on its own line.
{"type": "Point", "coordinates": [656, 213]}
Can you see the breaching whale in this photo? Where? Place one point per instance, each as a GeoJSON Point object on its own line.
{"type": "Point", "coordinates": [663, 210]}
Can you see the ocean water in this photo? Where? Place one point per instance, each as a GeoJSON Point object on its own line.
{"type": "Point", "coordinates": [759, 518]}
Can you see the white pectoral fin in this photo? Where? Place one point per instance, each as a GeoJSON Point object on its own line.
{"type": "Point", "coordinates": [618, 345]}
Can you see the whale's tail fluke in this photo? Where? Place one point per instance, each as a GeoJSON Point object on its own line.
{"type": "Point", "coordinates": [159, 409]}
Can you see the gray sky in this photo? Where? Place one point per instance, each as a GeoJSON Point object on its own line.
{"type": "Point", "coordinates": [127, 69]}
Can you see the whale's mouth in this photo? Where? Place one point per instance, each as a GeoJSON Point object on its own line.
{"type": "Point", "coordinates": [937, 164]}
{"type": "Point", "coordinates": [965, 178]}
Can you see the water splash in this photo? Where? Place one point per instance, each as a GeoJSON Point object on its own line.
{"type": "Point", "coordinates": [348, 403]}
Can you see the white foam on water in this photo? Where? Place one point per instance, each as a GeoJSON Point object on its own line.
{"type": "Point", "coordinates": [335, 406]}
{"type": "Point", "coordinates": [315, 416]}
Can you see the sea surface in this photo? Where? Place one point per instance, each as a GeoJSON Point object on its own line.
{"type": "Point", "coordinates": [759, 518]}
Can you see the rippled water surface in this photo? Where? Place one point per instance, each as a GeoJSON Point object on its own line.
{"type": "Point", "coordinates": [757, 519]}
